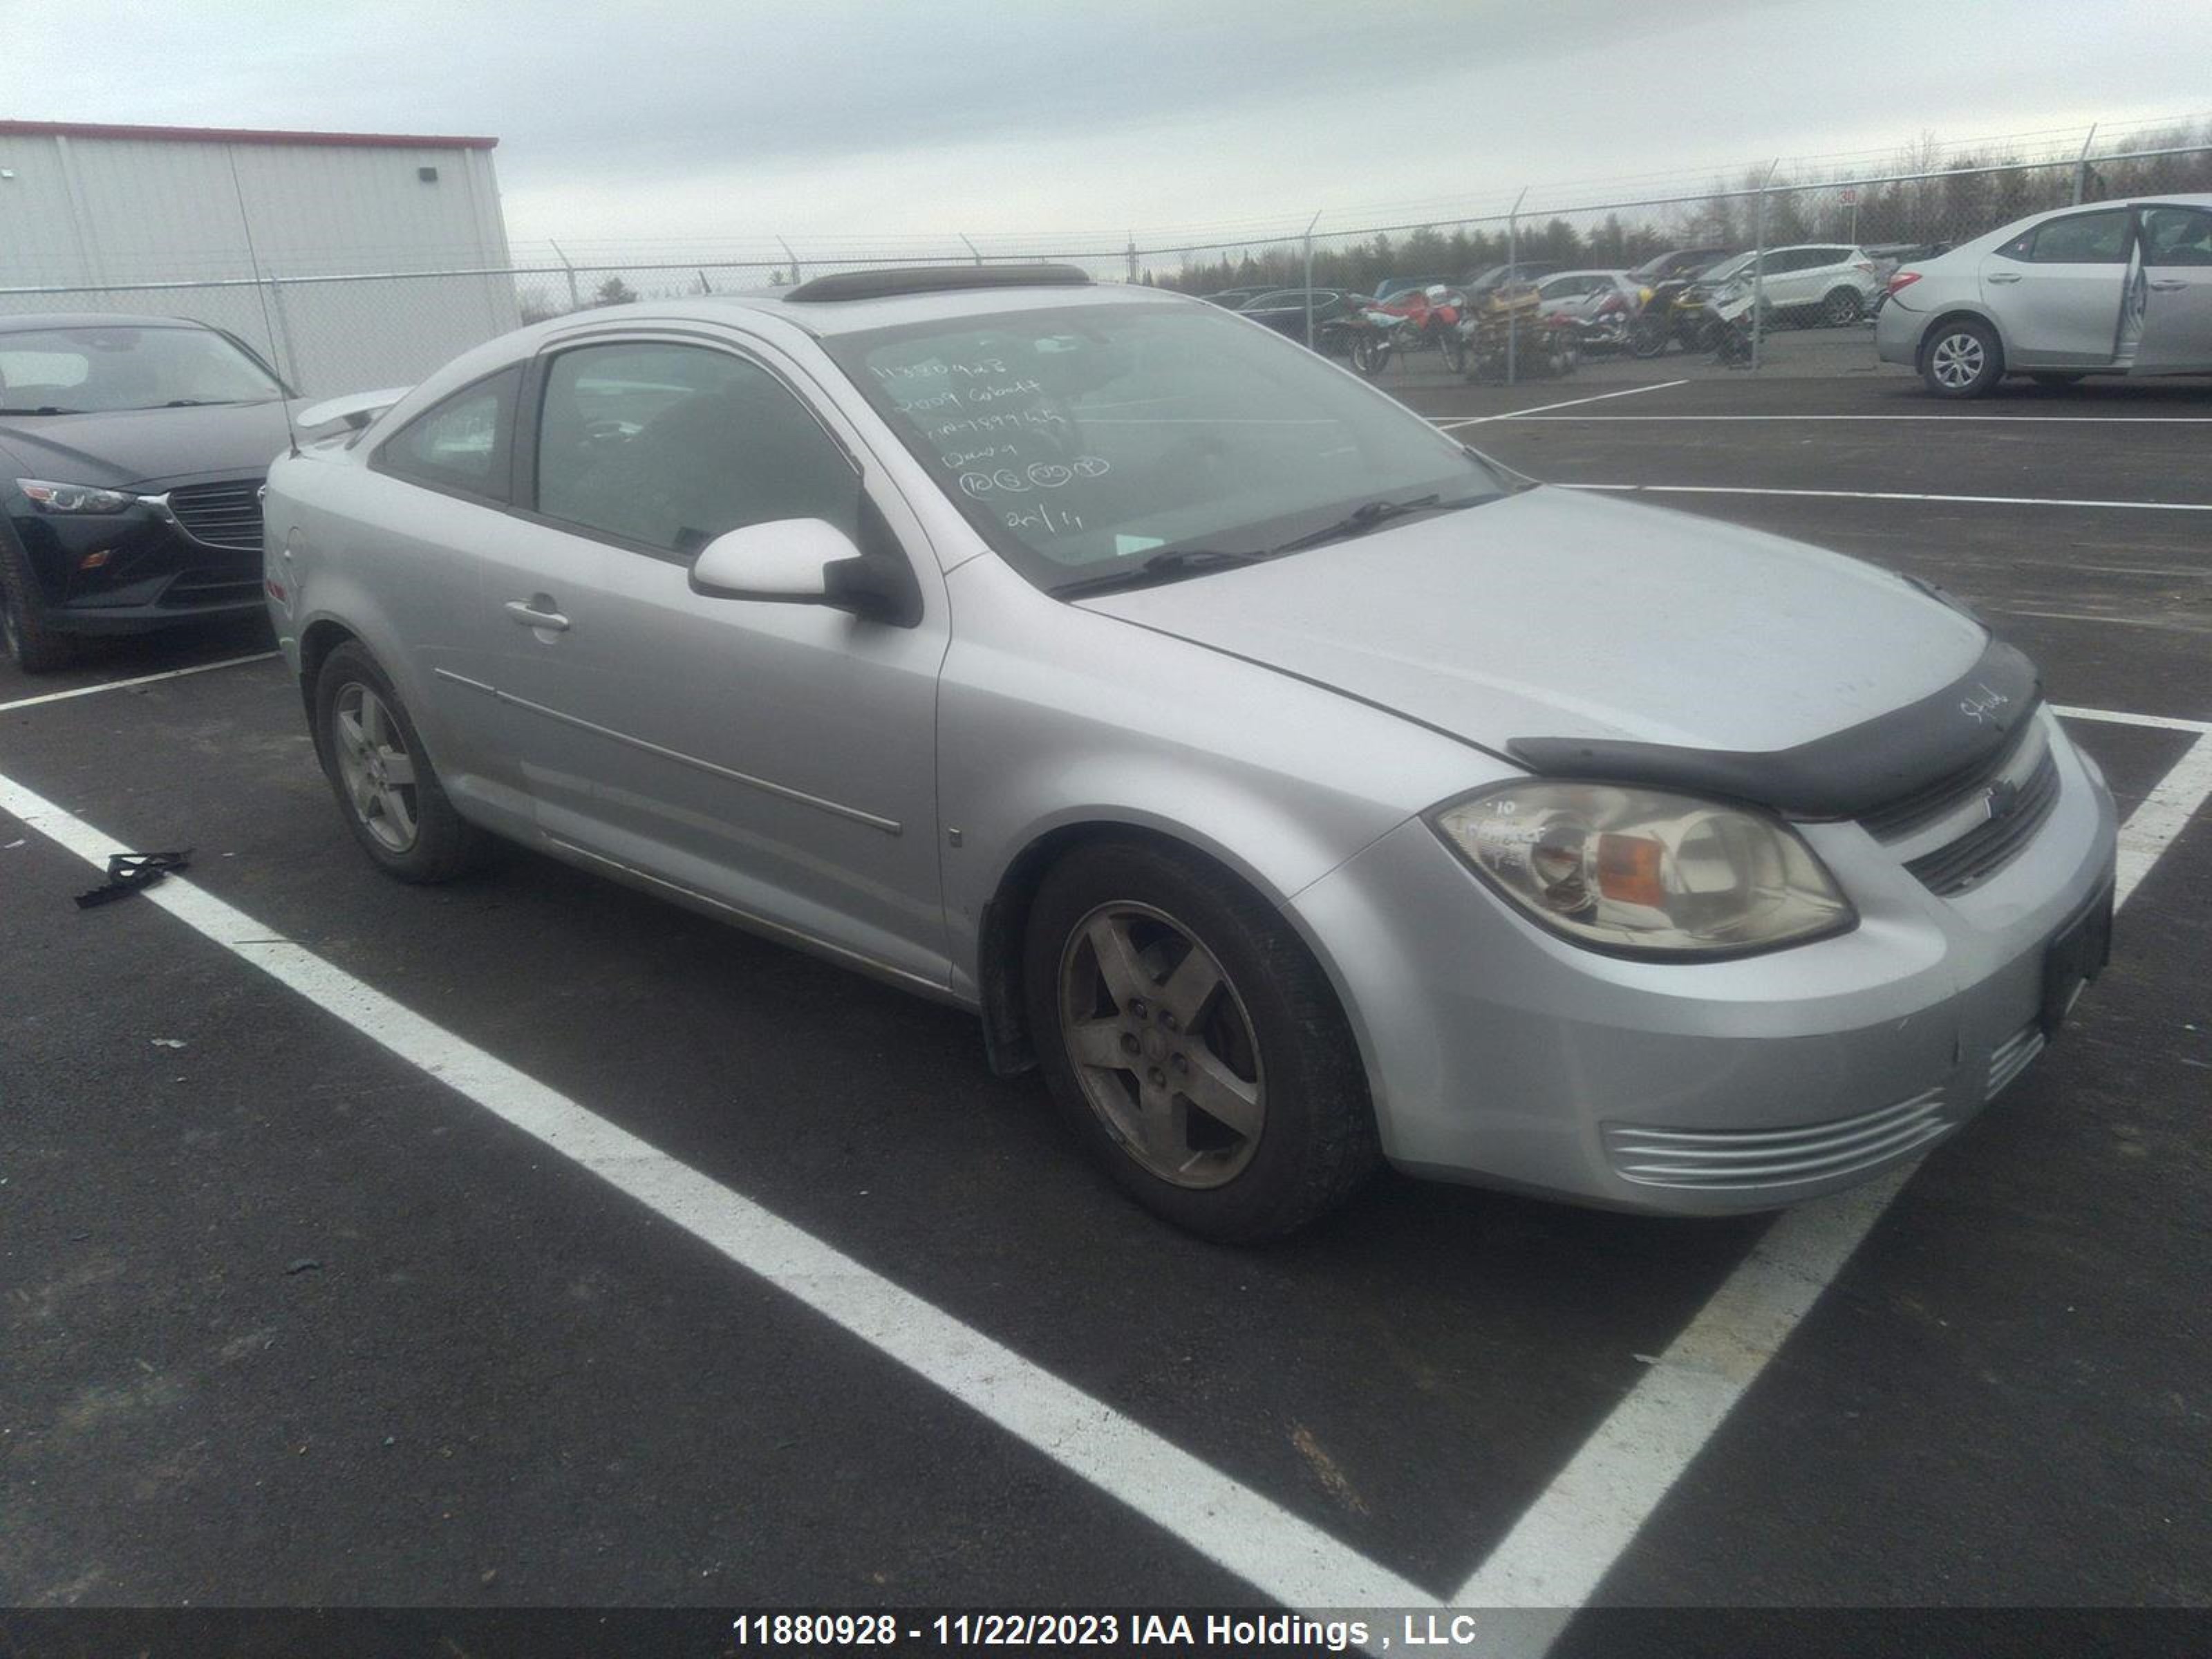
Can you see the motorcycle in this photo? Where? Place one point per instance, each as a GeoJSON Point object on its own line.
{"type": "Point", "coordinates": [1428, 320]}
{"type": "Point", "coordinates": [1506, 338]}
{"type": "Point", "coordinates": [1365, 334]}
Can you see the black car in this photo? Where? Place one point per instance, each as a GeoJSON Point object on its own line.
{"type": "Point", "coordinates": [1284, 308]}
{"type": "Point", "coordinates": [132, 452]}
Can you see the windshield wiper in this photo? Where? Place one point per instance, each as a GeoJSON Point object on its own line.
{"type": "Point", "coordinates": [47, 409]}
{"type": "Point", "coordinates": [1163, 566]}
{"type": "Point", "coordinates": [1369, 514]}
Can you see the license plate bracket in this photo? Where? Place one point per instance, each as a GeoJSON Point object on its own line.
{"type": "Point", "coordinates": [2077, 953]}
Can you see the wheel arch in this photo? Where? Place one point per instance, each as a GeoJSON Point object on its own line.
{"type": "Point", "coordinates": [1003, 926]}
{"type": "Point", "coordinates": [316, 640]}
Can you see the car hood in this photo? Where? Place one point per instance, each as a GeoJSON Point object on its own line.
{"type": "Point", "coordinates": [135, 448]}
{"type": "Point", "coordinates": [1554, 614]}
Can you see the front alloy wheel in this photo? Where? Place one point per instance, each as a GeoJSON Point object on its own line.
{"type": "Point", "coordinates": [1191, 1041]}
{"type": "Point", "coordinates": [1162, 1045]}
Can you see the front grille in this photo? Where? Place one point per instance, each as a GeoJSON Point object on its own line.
{"type": "Point", "coordinates": [2011, 1058]}
{"type": "Point", "coordinates": [220, 514]}
{"type": "Point", "coordinates": [1736, 1159]}
{"type": "Point", "coordinates": [1898, 818]}
{"type": "Point", "coordinates": [1984, 850]}
{"type": "Point", "coordinates": [211, 587]}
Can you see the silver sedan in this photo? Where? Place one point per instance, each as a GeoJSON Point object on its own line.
{"type": "Point", "coordinates": [1294, 788]}
{"type": "Point", "coordinates": [2118, 288]}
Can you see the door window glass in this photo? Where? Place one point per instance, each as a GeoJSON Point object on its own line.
{"type": "Point", "coordinates": [2080, 239]}
{"type": "Point", "coordinates": [672, 445]}
{"type": "Point", "coordinates": [461, 444]}
{"type": "Point", "coordinates": [2177, 236]}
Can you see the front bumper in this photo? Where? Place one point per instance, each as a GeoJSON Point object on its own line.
{"type": "Point", "coordinates": [136, 571]}
{"type": "Point", "coordinates": [1500, 1054]}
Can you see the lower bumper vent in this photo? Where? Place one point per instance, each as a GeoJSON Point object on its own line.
{"type": "Point", "coordinates": [1723, 1160]}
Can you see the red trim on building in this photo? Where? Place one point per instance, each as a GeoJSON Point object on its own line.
{"type": "Point", "coordinates": [240, 136]}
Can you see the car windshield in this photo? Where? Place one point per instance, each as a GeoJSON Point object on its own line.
{"type": "Point", "coordinates": [1082, 441]}
{"type": "Point", "coordinates": [94, 370]}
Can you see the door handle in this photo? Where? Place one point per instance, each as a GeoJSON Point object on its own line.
{"type": "Point", "coordinates": [2004, 277]}
{"type": "Point", "coordinates": [2167, 284]}
{"type": "Point", "coordinates": [526, 613]}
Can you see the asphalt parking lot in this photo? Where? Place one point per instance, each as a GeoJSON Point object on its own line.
{"type": "Point", "coordinates": [527, 1242]}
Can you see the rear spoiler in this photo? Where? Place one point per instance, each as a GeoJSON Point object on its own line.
{"type": "Point", "coordinates": [357, 409]}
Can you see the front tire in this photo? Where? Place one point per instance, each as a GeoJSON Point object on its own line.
{"type": "Point", "coordinates": [1194, 1044]}
{"type": "Point", "coordinates": [24, 636]}
{"type": "Point", "coordinates": [1962, 359]}
{"type": "Point", "coordinates": [387, 791]}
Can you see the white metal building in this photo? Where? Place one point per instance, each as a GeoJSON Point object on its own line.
{"type": "Point", "coordinates": [182, 220]}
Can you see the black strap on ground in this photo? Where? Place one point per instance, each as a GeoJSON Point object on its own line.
{"type": "Point", "coordinates": [128, 872]}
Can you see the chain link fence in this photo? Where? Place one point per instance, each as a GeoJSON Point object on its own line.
{"type": "Point", "coordinates": [1816, 243]}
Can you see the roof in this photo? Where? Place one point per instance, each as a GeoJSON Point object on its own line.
{"type": "Point", "coordinates": [26, 321]}
{"type": "Point", "coordinates": [240, 136]}
{"type": "Point", "coordinates": [856, 316]}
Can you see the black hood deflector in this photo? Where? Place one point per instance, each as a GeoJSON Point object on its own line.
{"type": "Point", "coordinates": [1846, 774]}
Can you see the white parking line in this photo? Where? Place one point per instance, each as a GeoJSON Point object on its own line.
{"type": "Point", "coordinates": [142, 679]}
{"type": "Point", "coordinates": [1572, 403]}
{"type": "Point", "coordinates": [1885, 496]}
{"type": "Point", "coordinates": [1564, 1545]}
{"type": "Point", "coordinates": [1294, 1564]}
{"type": "Point", "coordinates": [2163, 722]}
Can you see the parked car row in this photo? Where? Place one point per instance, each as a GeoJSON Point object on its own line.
{"type": "Point", "coordinates": [1256, 956]}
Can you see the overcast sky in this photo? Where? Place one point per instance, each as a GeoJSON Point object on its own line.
{"type": "Point", "coordinates": [731, 122]}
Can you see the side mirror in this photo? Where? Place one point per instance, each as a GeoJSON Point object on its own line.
{"type": "Point", "coordinates": [807, 562]}
{"type": "Point", "coordinates": [784, 562]}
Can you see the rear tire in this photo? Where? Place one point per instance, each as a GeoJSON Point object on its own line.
{"type": "Point", "coordinates": [1193, 1044]}
{"type": "Point", "coordinates": [1648, 336]}
{"type": "Point", "coordinates": [1843, 307]}
{"type": "Point", "coordinates": [1369, 356]}
{"type": "Point", "coordinates": [1962, 359]}
{"type": "Point", "coordinates": [24, 636]}
{"type": "Point", "coordinates": [387, 791]}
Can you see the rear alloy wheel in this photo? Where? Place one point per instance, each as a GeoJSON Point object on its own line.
{"type": "Point", "coordinates": [24, 636]}
{"type": "Point", "coordinates": [1842, 308]}
{"type": "Point", "coordinates": [1962, 360]}
{"type": "Point", "coordinates": [387, 789]}
{"type": "Point", "coordinates": [1194, 1044]}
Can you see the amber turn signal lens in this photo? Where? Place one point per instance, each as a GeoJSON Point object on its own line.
{"type": "Point", "coordinates": [1628, 870]}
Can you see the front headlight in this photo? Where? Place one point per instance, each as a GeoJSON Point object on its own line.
{"type": "Point", "coordinates": [1641, 873]}
{"type": "Point", "coordinates": [49, 497]}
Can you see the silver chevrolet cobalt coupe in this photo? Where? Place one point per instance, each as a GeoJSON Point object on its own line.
{"type": "Point", "coordinates": [1294, 788]}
